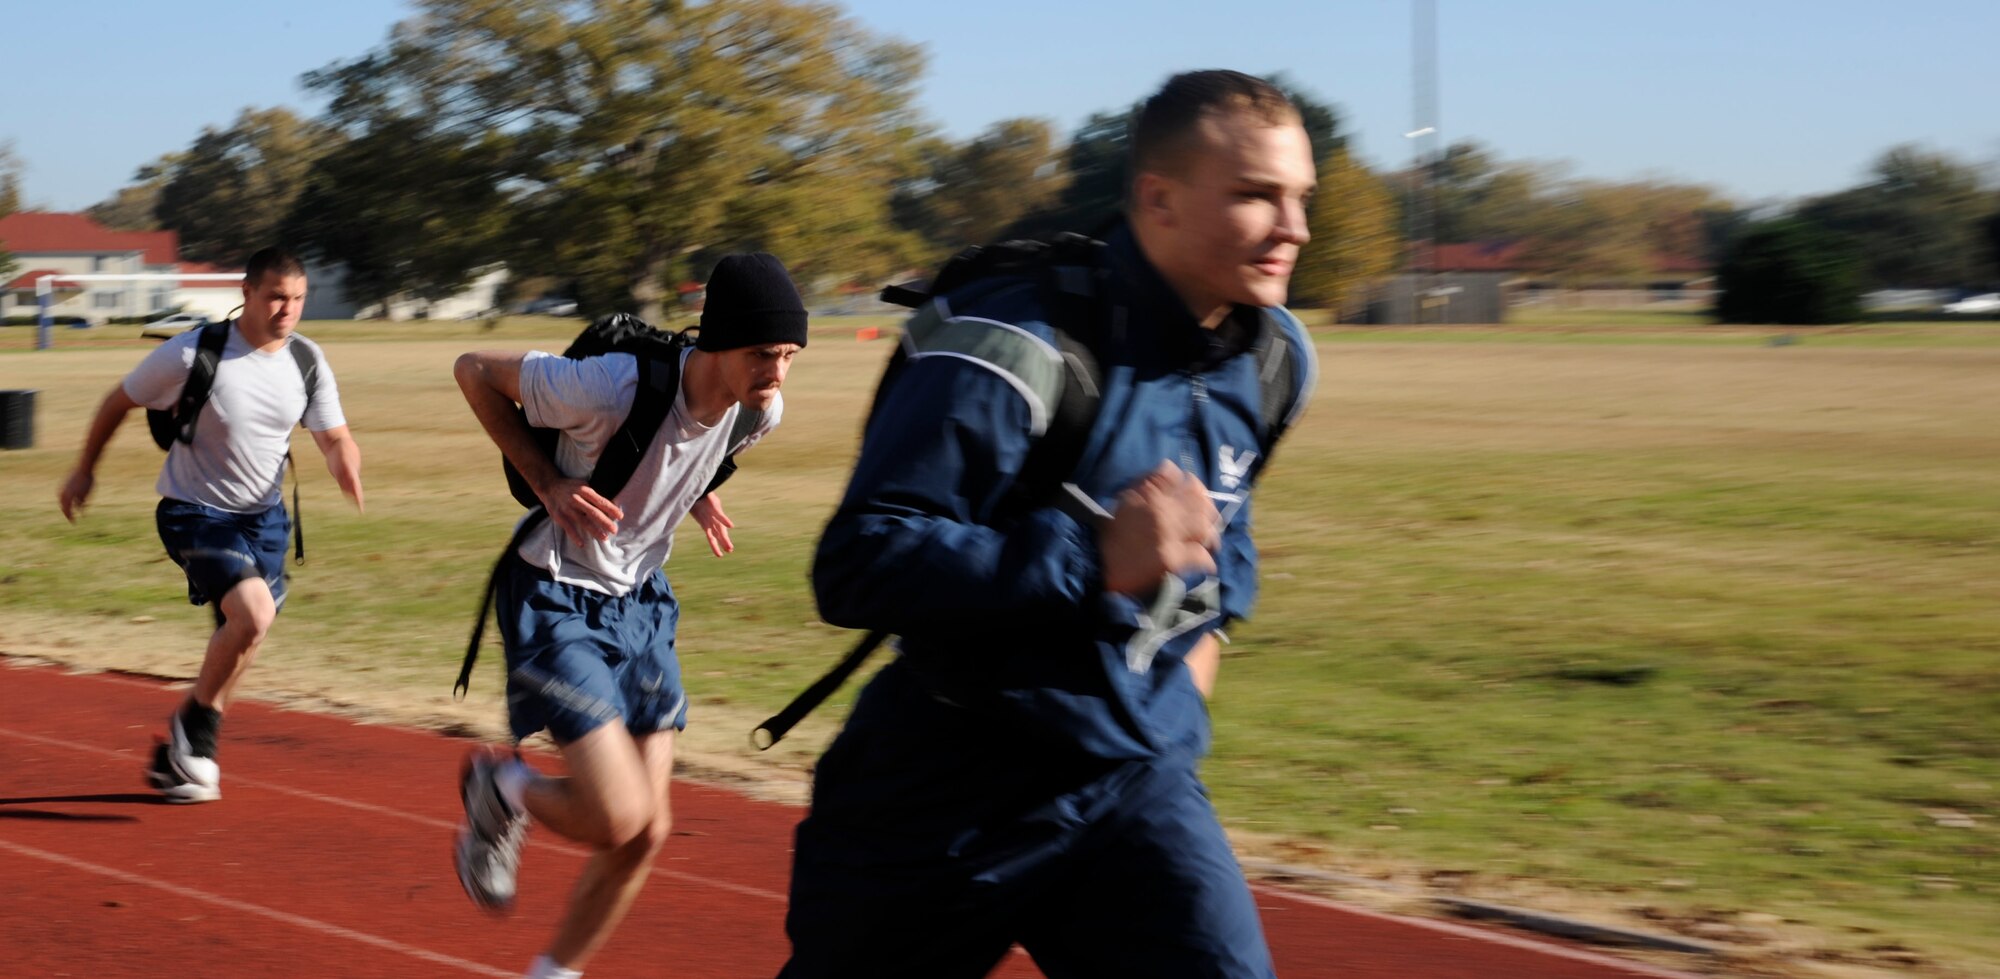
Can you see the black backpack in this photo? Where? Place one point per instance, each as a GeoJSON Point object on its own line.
{"type": "Point", "coordinates": [1070, 273]}
{"type": "Point", "coordinates": [177, 424]}
{"type": "Point", "coordinates": [659, 353]}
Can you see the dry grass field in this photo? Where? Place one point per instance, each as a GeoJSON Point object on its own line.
{"type": "Point", "coordinates": [1665, 627]}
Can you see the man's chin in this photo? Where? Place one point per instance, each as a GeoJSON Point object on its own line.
{"type": "Point", "coordinates": [1265, 293]}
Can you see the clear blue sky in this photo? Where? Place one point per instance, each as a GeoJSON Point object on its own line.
{"type": "Point", "coordinates": [1759, 98]}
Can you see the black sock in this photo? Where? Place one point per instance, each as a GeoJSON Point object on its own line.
{"type": "Point", "coordinates": [200, 724]}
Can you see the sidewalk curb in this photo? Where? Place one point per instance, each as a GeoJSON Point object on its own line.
{"type": "Point", "coordinates": [1583, 931]}
{"type": "Point", "coordinates": [1541, 922]}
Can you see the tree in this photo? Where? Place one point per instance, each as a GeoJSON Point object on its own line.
{"type": "Point", "coordinates": [971, 194]}
{"type": "Point", "coordinates": [10, 199]}
{"type": "Point", "coordinates": [1474, 197]}
{"type": "Point", "coordinates": [1320, 119]}
{"type": "Point", "coordinates": [1992, 230]}
{"type": "Point", "coordinates": [10, 178]}
{"type": "Point", "coordinates": [1354, 235]}
{"type": "Point", "coordinates": [134, 206]}
{"type": "Point", "coordinates": [1582, 230]}
{"type": "Point", "coordinates": [1095, 166]}
{"type": "Point", "coordinates": [1917, 221]}
{"type": "Point", "coordinates": [233, 189]}
{"type": "Point", "coordinates": [1789, 271]}
{"type": "Point", "coordinates": [1094, 178]}
{"type": "Point", "coordinates": [1606, 231]}
{"type": "Point", "coordinates": [635, 134]}
{"type": "Point", "coordinates": [392, 235]}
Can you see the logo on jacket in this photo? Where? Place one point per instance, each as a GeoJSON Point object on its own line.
{"type": "Point", "coordinates": [1234, 467]}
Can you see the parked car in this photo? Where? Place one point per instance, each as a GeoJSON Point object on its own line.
{"type": "Point", "coordinates": [551, 306]}
{"type": "Point", "coordinates": [1987, 303]}
{"type": "Point", "coordinates": [174, 325]}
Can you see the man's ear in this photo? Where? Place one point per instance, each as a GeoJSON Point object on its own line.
{"type": "Point", "coordinates": [1153, 198]}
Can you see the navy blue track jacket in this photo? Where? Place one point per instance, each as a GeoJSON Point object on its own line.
{"type": "Point", "coordinates": [1005, 614]}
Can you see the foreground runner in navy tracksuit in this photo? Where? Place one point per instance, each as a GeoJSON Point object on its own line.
{"type": "Point", "coordinates": [1026, 769]}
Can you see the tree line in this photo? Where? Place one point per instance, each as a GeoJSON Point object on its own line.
{"type": "Point", "coordinates": [612, 149]}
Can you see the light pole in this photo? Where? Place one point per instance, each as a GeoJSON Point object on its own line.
{"type": "Point", "coordinates": [1423, 136]}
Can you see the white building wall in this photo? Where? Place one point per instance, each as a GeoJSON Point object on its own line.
{"type": "Point", "coordinates": [215, 301]}
{"type": "Point", "coordinates": [97, 301]}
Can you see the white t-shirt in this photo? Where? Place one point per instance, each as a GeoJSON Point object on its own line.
{"type": "Point", "coordinates": [237, 461]}
{"type": "Point", "coordinates": [588, 400]}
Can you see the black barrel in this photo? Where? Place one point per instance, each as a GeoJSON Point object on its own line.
{"type": "Point", "coordinates": [17, 419]}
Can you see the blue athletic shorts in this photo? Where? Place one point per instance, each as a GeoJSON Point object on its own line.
{"type": "Point", "coordinates": [218, 548]}
{"type": "Point", "coordinates": [577, 658]}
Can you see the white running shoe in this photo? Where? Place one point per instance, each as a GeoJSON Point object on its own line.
{"type": "Point", "coordinates": [172, 781]}
{"type": "Point", "coordinates": [488, 849]}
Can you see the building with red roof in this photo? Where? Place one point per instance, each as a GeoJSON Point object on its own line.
{"type": "Point", "coordinates": [51, 243]}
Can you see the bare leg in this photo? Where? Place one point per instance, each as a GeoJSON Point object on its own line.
{"type": "Point", "coordinates": [609, 795]}
{"type": "Point", "coordinates": [615, 873]}
{"type": "Point", "coordinates": [248, 610]}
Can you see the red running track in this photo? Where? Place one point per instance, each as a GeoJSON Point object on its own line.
{"type": "Point", "coordinates": [329, 855]}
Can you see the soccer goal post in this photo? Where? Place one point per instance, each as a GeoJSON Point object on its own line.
{"type": "Point", "coordinates": [45, 287]}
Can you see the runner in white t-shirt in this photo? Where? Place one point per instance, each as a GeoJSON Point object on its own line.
{"type": "Point", "coordinates": [586, 614]}
{"type": "Point", "coordinates": [221, 513]}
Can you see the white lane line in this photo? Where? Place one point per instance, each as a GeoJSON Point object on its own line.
{"type": "Point", "coordinates": [372, 809]}
{"type": "Point", "coordinates": [1444, 927]}
{"type": "Point", "coordinates": [245, 907]}
{"type": "Point", "coordinates": [1455, 930]}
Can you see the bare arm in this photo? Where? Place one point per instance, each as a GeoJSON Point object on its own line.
{"type": "Point", "coordinates": [343, 460]}
{"type": "Point", "coordinates": [111, 413]}
{"type": "Point", "coordinates": [491, 381]}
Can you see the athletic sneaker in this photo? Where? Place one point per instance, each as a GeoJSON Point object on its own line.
{"type": "Point", "coordinates": [185, 771]}
{"type": "Point", "coordinates": [488, 850]}
{"type": "Point", "coordinates": [172, 783]}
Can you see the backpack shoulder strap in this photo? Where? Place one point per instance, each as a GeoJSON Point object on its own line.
{"type": "Point", "coordinates": [1064, 393]}
{"type": "Point", "coordinates": [1077, 298]}
{"type": "Point", "coordinates": [201, 379]}
{"type": "Point", "coordinates": [1031, 365]}
{"type": "Point", "coordinates": [1053, 458]}
{"type": "Point", "coordinates": [1287, 371]}
{"type": "Point", "coordinates": [1062, 381]}
{"type": "Point", "coordinates": [659, 382]}
{"type": "Point", "coordinates": [747, 421]}
{"type": "Point", "coordinates": [308, 371]}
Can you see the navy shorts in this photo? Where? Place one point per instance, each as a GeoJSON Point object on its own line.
{"type": "Point", "coordinates": [577, 658]}
{"type": "Point", "coordinates": [935, 843]}
{"type": "Point", "coordinates": [219, 548]}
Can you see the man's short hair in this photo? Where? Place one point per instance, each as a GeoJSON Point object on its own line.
{"type": "Point", "coordinates": [1169, 124]}
{"type": "Point", "coordinates": [278, 261]}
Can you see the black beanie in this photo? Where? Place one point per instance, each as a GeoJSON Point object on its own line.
{"type": "Point", "coordinates": [750, 303]}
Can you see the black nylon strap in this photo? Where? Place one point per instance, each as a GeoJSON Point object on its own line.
{"type": "Point", "coordinates": [201, 378]}
{"type": "Point", "coordinates": [528, 524]}
{"type": "Point", "coordinates": [309, 372]}
{"type": "Point", "coordinates": [780, 724]}
{"type": "Point", "coordinates": [659, 381]}
{"type": "Point", "coordinates": [298, 516]}
{"type": "Point", "coordinates": [747, 420]}
{"type": "Point", "coordinates": [1076, 297]}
